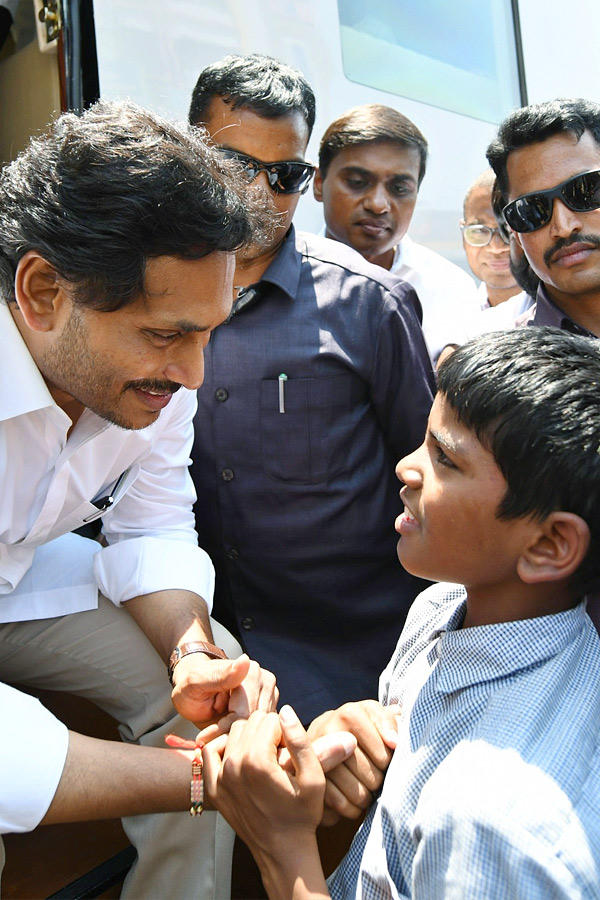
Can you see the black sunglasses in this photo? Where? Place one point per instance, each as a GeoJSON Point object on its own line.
{"type": "Point", "coordinates": [283, 177]}
{"type": "Point", "coordinates": [533, 211]}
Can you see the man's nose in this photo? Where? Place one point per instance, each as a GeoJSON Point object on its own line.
{"type": "Point", "coordinates": [187, 369]}
{"type": "Point", "coordinates": [564, 221]}
{"type": "Point", "coordinates": [262, 181]}
{"type": "Point", "coordinates": [497, 243]}
{"type": "Point", "coordinates": [377, 200]}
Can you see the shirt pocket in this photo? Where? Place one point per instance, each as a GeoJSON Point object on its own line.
{"type": "Point", "coordinates": [105, 502]}
{"type": "Point", "coordinates": [305, 443]}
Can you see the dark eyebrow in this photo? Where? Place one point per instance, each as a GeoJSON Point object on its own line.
{"type": "Point", "coordinates": [443, 442]}
{"type": "Point", "coordinates": [262, 162]}
{"type": "Point", "coordinates": [184, 326]}
{"type": "Point", "coordinates": [368, 173]}
{"type": "Point", "coordinates": [358, 170]}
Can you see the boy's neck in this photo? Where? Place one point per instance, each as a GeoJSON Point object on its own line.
{"type": "Point", "coordinates": [493, 605]}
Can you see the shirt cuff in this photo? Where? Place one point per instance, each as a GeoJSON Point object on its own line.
{"type": "Point", "coordinates": [32, 758]}
{"type": "Point", "coordinates": [139, 566]}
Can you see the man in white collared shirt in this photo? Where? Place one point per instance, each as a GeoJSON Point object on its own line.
{"type": "Point", "coordinates": [115, 267]}
{"type": "Point", "coordinates": [372, 161]}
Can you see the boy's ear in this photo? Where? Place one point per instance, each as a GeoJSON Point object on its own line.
{"type": "Point", "coordinates": [318, 186]}
{"type": "Point", "coordinates": [558, 551]}
{"type": "Point", "coordinates": [38, 291]}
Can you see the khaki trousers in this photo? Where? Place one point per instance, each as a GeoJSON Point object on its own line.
{"type": "Point", "coordinates": [102, 655]}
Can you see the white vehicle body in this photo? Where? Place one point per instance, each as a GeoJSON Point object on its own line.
{"type": "Point", "coordinates": [451, 67]}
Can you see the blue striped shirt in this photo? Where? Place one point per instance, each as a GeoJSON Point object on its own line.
{"type": "Point", "coordinates": [494, 788]}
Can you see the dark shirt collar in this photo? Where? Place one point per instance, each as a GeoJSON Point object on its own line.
{"type": "Point", "coordinates": [546, 312]}
{"type": "Point", "coordinates": [284, 271]}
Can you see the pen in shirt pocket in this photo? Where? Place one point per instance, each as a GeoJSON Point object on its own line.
{"type": "Point", "coordinates": [282, 380]}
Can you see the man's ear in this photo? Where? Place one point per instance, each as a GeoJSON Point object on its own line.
{"type": "Point", "coordinates": [38, 291]}
{"type": "Point", "coordinates": [318, 186]}
{"type": "Point", "coordinates": [561, 545]}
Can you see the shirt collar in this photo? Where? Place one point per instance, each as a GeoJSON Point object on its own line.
{"type": "Point", "coordinates": [24, 389]}
{"type": "Point", "coordinates": [402, 252]}
{"type": "Point", "coordinates": [546, 312]}
{"type": "Point", "coordinates": [284, 271]}
{"type": "Point", "coordinates": [473, 655]}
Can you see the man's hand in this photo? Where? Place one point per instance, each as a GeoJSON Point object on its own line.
{"type": "Point", "coordinates": [205, 690]}
{"type": "Point", "coordinates": [221, 691]}
{"type": "Point", "coordinates": [350, 785]}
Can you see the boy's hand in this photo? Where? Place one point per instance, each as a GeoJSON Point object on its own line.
{"type": "Point", "coordinates": [263, 802]}
{"type": "Point", "coordinates": [275, 812]}
{"type": "Point", "coordinates": [350, 785]}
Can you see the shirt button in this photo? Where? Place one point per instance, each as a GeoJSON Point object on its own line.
{"type": "Point", "coordinates": [248, 623]}
{"type": "Point", "coordinates": [232, 553]}
{"type": "Point", "coordinates": [227, 475]}
{"type": "Point", "coordinates": [221, 395]}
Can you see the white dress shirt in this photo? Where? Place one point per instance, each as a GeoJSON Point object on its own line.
{"type": "Point", "coordinates": [33, 750]}
{"type": "Point", "coordinates": [49, 484]}
{"type": "Point", "coordinates": [501, 316]}
{"type": "Point", "coordinates": [448, 295]}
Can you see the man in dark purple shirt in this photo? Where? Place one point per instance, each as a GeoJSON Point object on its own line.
{"type": "Point", "coordinates": [313, 390]}
{"type": "Point", "coordinates": [547, 163]}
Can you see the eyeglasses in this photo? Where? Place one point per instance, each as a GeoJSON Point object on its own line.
{"type": "Point", "coordinates": [482, 235]}
{"type": "Point", "coordinates": [533, 211]}
{"type": "Point", "coordinates": [283, 177]}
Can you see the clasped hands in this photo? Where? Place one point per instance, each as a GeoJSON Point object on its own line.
{"type": "Point", "coordinates": [221, 691]}
{"type": "Point", "coordinates": [234, 702]}
{"type": "Point", "coordinates": [269, 773]}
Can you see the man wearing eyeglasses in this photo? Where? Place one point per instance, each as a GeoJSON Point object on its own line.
{"type": "Point", "coordinates": [312, 389]}
{"type": "Point", "coordinates": [487, 244]}
{"type": "Point", "coordinates": [547, 162]}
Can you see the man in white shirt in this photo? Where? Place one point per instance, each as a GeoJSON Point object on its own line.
{"type": "Point", "coordinates": [115, 267]}
{"type": "Point", "coordinates": [487, 244]}
{"type": "Point", "coordinates": [371, 163]}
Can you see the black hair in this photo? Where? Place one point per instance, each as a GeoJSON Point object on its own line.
{"type": "Point", "coordinates": [371, 123]}
{"type": "Point", "coordinates": [103, 192]}
{"type": "Point", "coordinates": [532, 397]}
{"type": "Point", "coordinates": [538, 122]}
{"type": "Point", "coordinates": [260, 83]}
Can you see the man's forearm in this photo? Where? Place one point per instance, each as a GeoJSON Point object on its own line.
{"type": "Point", "coordinates": [171, 618]}
{"type": "Point", "coordinates": [107, 779]}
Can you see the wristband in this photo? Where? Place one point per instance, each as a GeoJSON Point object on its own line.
{"type": "Point", "coordinates": [197, 785]}
{"type": "Point", "coordinates": [193, 647]}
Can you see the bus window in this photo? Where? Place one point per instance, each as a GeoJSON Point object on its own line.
{"type": "Point", "coordinates": [456, 56]}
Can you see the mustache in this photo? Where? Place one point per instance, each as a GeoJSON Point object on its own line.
{"type": "Point", "coordinates": [567, 242]}
{"type": "Point", "coordinates": [146, 384]}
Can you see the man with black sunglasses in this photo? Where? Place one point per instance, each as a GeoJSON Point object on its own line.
{"type": "Point", "coordinates": [547, 162]}
{"type": "Point", "coordinates": [317, 384]}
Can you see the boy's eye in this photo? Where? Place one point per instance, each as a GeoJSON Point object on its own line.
{"type": "Point", "coordinates": [443, 459]}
